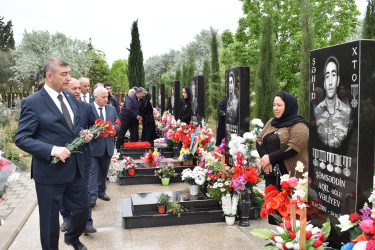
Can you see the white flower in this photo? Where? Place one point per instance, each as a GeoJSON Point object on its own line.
{"type": "Point", "coordinates": [215, 185]}
{"type": "Point", "coordinates": [309, 227]}
{"type": "Point", "coordinates": [226, 183]}
{"type": "Point", "coordinates": [289, 245]}
{"type": "Point", "coordinates": [298, 223]}
{"type": "Point", "coordinates": [296, 246]}
{"type": "Point", "coordinates": [360, 245]}
{"type": "Point", "coordinates": [372, 197]}
{"type": "Point", "coordinates": [254, 153]}
{"type": "Point", "coordinates": [299, 192]}
{"type": "Point", "coordinates": [285, 177]}
{"type": "Point", "coordinates": [220, 184]}
{"type": "Point", "coordinates": [257, 122]}
{"type": "Point", "coordinates": [250, 136]}
{"type": "Point", "coordinates": [280, 230]}
{"type": "Point", "coordinates": [222, 189]}
{"type": "Point", "coordinates": [345, 223]}
{"type": "Point", "coordinates": [200, 179]}
{"type": "Point", "coordinates": [300, 167]}
{"type": "Point", "coordinates": [278, 239]}
{"type": "Point", "coordinates": [315, 230]}
{"type": "Point", "coordinates": [279, 246]}
{"type": "Point", "coordinates": [373, 213]}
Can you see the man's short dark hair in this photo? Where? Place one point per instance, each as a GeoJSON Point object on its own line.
{"type": "Point", "coordinates": [335, 61]}
{"type": "Point", "coordinates": [107, 84]}
{"type": "Point", "coordinates": [50, 65]}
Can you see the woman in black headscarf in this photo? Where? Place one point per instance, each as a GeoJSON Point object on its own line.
{"type": "Point", "coordinates": [185, 111]}
{"type": "Point", "coordinates": [148, 121]}
{"type": "Point", "coordinates": [283, 141]}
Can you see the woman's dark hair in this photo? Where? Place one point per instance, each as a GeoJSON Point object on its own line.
{"type": "Point", "coordinates": [188, 92]}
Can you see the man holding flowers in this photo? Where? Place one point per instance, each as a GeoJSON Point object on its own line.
{"type": "Point", "coordinates": [50, 120]}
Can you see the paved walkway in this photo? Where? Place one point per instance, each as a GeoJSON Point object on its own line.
{"type": "Point", "coordinates": [21, 228]}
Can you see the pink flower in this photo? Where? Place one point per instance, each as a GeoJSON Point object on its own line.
{"type": "Point", "coordinates": [20, 156]}
{"type": "Point", "coordinates": [293, 182]}
{"type": "Point", "coordinates": [370, 244]}
{"type": "Point", "coordinates": [366, 226]}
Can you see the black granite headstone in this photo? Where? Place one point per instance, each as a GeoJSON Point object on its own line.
{"type": "Point", "coordinates": [341, 146]}
{"type": "Point", "coordinates": [237, 86]}
{"type": "Point", "coordinates": [148, 89]}
{"type": "Point", "coordinates": [198, 99]}
{"type": "Point", "coordinates": [175, 99]}
{"type": "Point", "coordinates": [154, 104]}
{"type": "Point", "coordinates": [162, 98]}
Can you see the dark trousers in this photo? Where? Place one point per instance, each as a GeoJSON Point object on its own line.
{"type": "Point", "coordinates": [126, 124]}
{"type": "Point", "coordinates": [64, 210]}
{"type": "Point", "coordinates": [98, 176]}
{"type": "Point", "coordinates": [75, 198]}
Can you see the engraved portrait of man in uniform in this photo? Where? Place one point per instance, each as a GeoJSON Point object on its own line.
{"type": "Point", "coordinates": [332, 115]}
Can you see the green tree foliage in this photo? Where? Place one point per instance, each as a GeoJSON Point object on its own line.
{"type": "Point", "coordinates": [136, 72]}
{"type": "Point", "coordinates": [369, 21]}
{"type": "Point", "coordinates": [178, 73]}
{"type": "Point", "coordinates": [118, 77]}
{"type": "Point", "coordinates": [99, 70]}
{"type": "Point", "coordinates": [266, 85]}
{"type": "Point", "coordinates": [37, 46]}
{"type": "Point", "coordinates": [207, 84]}
{"type": "Point", "coordinates": [206, 70]}
{"type": "Point", "coordinates": [307, 45]}
{"type": "Point", "coordinates": [188, 69]}
{"type": "Point", "coordinates": [215, 67]}
{"type": "Point", "coordinates": [6, 35]}
{"type": "Point", "coordinates": [334, 21]}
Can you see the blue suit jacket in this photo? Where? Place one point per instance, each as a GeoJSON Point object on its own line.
{"type": "Point", "coordinates": [86, 115]}
{"type": "Point", "coordinates": [131, 107]}
{"type": "Point", "coordinates": [42, 126]}
{"type": "Point", "coordinates": [101, 144]}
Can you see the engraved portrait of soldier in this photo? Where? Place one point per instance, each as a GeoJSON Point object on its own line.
{"type": "Point", "coordinates": [194, 101]}
{"type": "Point", "coordinates": [233, 100]}
{"type": "Point", "coordinates": [332, 115]}
{"type": "Point", "coordinates": [172, 97]}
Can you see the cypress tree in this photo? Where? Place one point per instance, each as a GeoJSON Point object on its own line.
{"type": "Point", "coordinates": [215, 68]}
{"type": "Point", "coordinates": [136, 72]}
{"type": "Point", "coordinates": [207, 84]}
{"type": "Point", "coordinates": [6, 35]}
{"type": "Point", "coordinates": [266, 84]}
{"type": "Point", "coordinates": [369, 21]}
{"type": "Point", "coordinates": [307, 45]}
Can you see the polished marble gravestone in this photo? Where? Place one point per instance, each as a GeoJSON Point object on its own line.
{"type": "Point", "coordinates": [141, 210]}
{"type": "Point", "coordinates": [197, 99]}
{"type": "Point", "coordinates": [162, 98]}
{"type": "Point", "coordinates": [175, 99]}
{"type": "Point", "coordinates": [341, 146]}
{"type": "Point", "coordinates": [153, 95]}
{"type": "Point", "coordinates": [237, 89]}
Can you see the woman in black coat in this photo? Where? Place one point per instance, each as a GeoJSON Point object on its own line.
{"type": "Point", "coordinates": [148, 121]}
{"type": "Point", "coordinates": [221, 111]}
{"type": "Point", "coordinates": [185, 111]}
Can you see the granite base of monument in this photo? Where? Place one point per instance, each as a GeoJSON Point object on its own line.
{"type": "Point", "coordinates": [136, 153]}
{"type": "Point", "coordinates": [145, 175]}
{"type": "Point", "coordinates": [141, 210]}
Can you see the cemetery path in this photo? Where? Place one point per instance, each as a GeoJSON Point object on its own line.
{"type": "Point", "coordinates": [24, 220]}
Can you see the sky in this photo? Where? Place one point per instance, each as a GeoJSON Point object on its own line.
{"type": "Point", "coordinates": [162, 24]}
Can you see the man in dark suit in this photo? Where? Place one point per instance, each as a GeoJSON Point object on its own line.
{"type": "Point", "coordinates": [87, 120]}
{"type": "Point", "coordinates": [49, 120]}
{"type": "Point", "coordinates": [130, 117]}
{"type": "Point", "coordinates": [86, 96]}
{"type": "Point", "coordinates": [111, 99]}
{"type": "Point", "coordinates": [102, 148]}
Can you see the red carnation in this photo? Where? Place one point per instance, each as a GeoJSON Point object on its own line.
{"type": "Point", "coordinates": [285, 186]}
{"type": "Point", "coordinates": [270, 188]}
{"type": "Point", "coordinates": [317, 244]}
{"type": "Point", "coordinates": [354, 217]}
{"type": "Point", "coordinates": [320, 236]}
{"type": "Point", "coordinates": [308, 235]}
{"type": "Point", "coordinates": [292, 234]}
{"type": "Point", "coordinates": [118, 122]}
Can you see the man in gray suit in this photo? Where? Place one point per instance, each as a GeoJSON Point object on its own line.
{"type": "Point", "coordinates": [102, 148]}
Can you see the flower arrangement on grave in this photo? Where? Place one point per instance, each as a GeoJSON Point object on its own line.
{"type": "Point", "coordinates": [115, 167]}
{"type": "Point", "coordinates": [197, 176]}
{"type": "Point", "coordinates": [294, 191]}
{"type": "Point", "coordinates": [153, 158]}
{"type": "Point", "coordinates": [288, 237]}
{"type": "Point", "coordinates": [359, 227]}
{"type": "Point", "coordinates": [100, 127]}
{"type": "Point", "coordinates": [165, 171]}
{"type": "Point", "coordinates": [128, 163]}
{"type": "Point", "coordinates": [176, 208]}
{"type": "Point", "coordinates": [7, 174]}
{"type": "Point", "coordinates": [163, 202]}
{"type": "Point", "coordinates": [258, 199]}
{"type": "Point", "coordinates": [229, 203]}
{"type": "Point", "coordinates": [218, 189]}
{"type": "Point", "coordinates": [141, 144]}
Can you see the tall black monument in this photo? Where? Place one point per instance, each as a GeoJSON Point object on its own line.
{"type": "Point", "coordinates": [197, 99]}
{"type": "Point", "coordinates": [154, 104]}
{"type": "Point", "coordinates": [162, 98]}
{"type": "Point", "coordinates": [175, 99]}
{"type": "Point", "coordinates": [341, 146]}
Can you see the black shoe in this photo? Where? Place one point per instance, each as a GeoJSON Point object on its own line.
{"type": "Point", "coordinates": [104, 197]}
{"type": "Point", "coordinates": [76, 244]}
{"type": "Point", "coordinates": [89, 230]}
{"type": "Point", "coordinates": [64, 226]}
{"type": "Point", "coordinates": [93, 203]}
